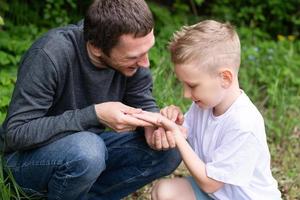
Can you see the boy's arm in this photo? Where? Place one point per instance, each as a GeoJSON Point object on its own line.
{"type": "Point", "coordinates": [194, 164]}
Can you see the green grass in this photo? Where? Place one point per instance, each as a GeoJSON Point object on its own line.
{"type": "Point", "coordinates": [8, 187]}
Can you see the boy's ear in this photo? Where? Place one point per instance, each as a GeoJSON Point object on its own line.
{"type": "Point", "coordinates": [226, 77]}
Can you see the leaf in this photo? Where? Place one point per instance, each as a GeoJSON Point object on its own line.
{"type": "Point", "coordinates": [1, 21]}
{"type": "Point", "coordinates": [4, 60]}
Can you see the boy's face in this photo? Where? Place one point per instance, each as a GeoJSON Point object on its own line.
{"type": "Point", "coordinates": [202, 87]}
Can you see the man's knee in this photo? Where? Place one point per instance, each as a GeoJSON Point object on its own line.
{"type": "Point", "coordinates": [168, 161]}
{"type": "Point", "coordinates": [86, 158]}
{"type": "Point", "coordinates": [172, 160]}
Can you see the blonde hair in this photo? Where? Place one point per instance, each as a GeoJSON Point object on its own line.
{"type": "Point", "coordinates": [209, 43]}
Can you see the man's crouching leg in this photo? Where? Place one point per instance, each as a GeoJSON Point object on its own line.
{"type": "Point", "coordinates": [131, 164]}
{"type": "Point", "coordinates": [65, 169]}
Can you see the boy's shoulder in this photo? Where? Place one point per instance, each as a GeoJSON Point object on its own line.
{"type": "Point", "coordinates": [243, 106]}
{"type": "Point", "coordinates": [244, 115]}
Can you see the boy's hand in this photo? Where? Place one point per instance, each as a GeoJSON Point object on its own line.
{"type": "Point", "coordinates": [157, 139]}
{"type": "Point", "coordinates": [170, 126]}
{"type": "Point", "coordinates": [160, 139]}
{"type": "Point", "coordinates": [173, 113]}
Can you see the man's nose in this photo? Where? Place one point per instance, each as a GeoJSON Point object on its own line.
{"type": "Point", "coordinates": [144, 61]}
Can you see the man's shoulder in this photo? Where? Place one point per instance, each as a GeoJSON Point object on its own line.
{"type": "Point", "coordinates": [59, 40]}
{"type": "Point", "coordinates": [60, 45]}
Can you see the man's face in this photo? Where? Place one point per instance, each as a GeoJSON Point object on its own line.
{"type": "Point", "coordinates": [130, 53]}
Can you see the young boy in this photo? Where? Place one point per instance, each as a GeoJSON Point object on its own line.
{"type": "Point", "coordinates": [226, 153]}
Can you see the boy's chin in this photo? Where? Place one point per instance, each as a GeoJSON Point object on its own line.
{"type": "Point", "coordinates": [200, 104]}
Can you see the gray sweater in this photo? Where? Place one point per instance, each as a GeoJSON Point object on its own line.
{"type": "Point", "coordinates": [57, 87]}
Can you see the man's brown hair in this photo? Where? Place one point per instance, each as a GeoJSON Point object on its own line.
{"type": "Point", "coordinates": [107, 20]}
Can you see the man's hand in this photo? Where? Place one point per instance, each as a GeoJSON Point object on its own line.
{"type": "Point", "coordinates": [119, 117]}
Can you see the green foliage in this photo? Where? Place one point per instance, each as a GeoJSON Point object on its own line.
{"type": "Point", "coordinates": [162, 70]}
{"type": "Point", "coordinates": [4, 6]}
{"type": "Point", "coordinates": [273, 16]}
{"type": "Point", "coordinates": [49, 13]}
{"type": "Point", "coordinates": [269, 74]}
{"type": "Point", "coordinates": [1, 21]}
{"type": "Point", "coordinates": [57, 12]}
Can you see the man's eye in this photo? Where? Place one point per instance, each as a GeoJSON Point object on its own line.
{"type": "Point", "coordinates": [132, 58]}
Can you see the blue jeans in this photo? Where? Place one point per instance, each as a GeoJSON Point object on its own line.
{"type": "Point", "coordinates": [85, 165]}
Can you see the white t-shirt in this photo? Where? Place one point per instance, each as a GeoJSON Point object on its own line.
{"type": "Point", "coordinates": [234, 148]}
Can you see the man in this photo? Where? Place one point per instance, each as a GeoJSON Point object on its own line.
{"type": "Point", "coordinates": [73, 83]}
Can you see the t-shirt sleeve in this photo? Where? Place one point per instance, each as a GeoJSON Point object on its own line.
{"type": "Point", "coordinates": [234, 161]}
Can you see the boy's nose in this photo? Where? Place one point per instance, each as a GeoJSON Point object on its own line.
{"type": "Point", "coordinates": [144, 61]}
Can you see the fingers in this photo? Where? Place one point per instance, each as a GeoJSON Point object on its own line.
{"type": "Point", "coordinates": [130, 122]}
{"type": "Point", "coordinates": [131, 110]}
{"type": "Point", "coordinates": [171, 139]}
{"type": "Point", "coordinates": [168, 124]}
{"type": "Point", "coordinates": [163, 140]}
{"type": "Point", "coordinates": [173, 113]}
{"type": "Point", "coordinates": [157, 140]}
{"type": "Point", "coordinates": [180, 119]}
{"type": "Point", "coordinates": [149, 117]}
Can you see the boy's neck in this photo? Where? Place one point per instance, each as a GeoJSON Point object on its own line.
{"type": "Point", "coordinates": [233, 93]}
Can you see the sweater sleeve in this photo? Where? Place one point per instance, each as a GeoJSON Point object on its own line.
{"type": "Point", "coordinates": [138, 92]}
{"type": "Point", "coordinates": [27, 124]}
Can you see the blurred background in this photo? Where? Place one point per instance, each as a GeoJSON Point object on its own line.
{"type": "Point", "coordinates": [270, 72]}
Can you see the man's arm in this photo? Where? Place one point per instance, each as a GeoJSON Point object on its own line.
{"type": "Point", "coordinates": [27, 124]}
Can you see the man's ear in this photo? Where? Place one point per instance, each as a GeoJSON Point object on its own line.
{"type": "Point", "coordinates": [226, 77]}
{"type": "Point", "coordinates": [94, 50]}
